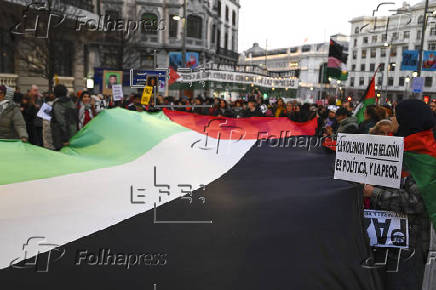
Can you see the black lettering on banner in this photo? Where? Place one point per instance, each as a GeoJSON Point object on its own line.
{"type": "Point", "coordinates": [381, 230]}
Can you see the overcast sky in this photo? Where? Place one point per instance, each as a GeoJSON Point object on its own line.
{"type": "Point", "coordinates": [289, 22]}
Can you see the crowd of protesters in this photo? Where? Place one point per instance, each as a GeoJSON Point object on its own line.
{"type": "Point", "coordinates": [71, 112]}
{"type": "Point", "coordinates": [21, 118]}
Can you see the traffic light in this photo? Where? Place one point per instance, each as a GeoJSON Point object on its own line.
{"type": "Point", "coordinates": [427, 99]}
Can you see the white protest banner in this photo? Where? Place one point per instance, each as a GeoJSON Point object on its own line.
{"type": "Point", "coordinates": [369, 159]}
{"type": "Point", "coordinates": [117, 92]}
{"type": "Point", "coordinates": [45, 112]}
{"type": "Point", "coordinates": [387, 229]}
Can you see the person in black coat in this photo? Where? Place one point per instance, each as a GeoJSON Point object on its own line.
{"type": "Point", "coordinates": [29, 111]}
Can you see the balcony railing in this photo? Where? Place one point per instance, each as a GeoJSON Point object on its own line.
{"type": "Point", "coordinates": [226, 52]}
{"type": "Point", "coordinates": [9, 80]}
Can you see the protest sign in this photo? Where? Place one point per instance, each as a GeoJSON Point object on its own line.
{"type": "Point", "coordinates": [387, 229]}
{"type": "Point", "coordinates": [117, 92]}
{"type": "Point", "coordinates": [45, 112]}
{"type": "Point", "coordinates": [369, 159]}
{"type": "Point", "coordinates": [146, 95]}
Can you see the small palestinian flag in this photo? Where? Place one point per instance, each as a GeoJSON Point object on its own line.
{"type": "Point", "coordinates": [337, 62]}
{"type": "Point", "coordinates": [420, 161]}
{"type": "Point", "coordinates": [369, 99]}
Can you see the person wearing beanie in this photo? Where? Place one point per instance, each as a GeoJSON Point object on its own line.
{"type": "Point", "coordinates": [64, 118]}
{"type": "Point", "coordinates": [412, 117]}
{"type": "Point", "coordinates": [12, 124]}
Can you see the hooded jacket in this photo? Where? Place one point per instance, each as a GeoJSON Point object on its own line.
{"type": "Point", "coordinates": [12, 124]}
{"type": "Point", "coordinates": [63, 122]}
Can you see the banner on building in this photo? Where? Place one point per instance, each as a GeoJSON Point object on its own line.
{"type": "Point", "coordinates": [387, 229]}
{"type": "Point", "coordinates": [153, 78]}
{"type": "Point", "coordinates": [369, 159]}
{"type": "Point", "coordinates": [411, 59]}
{"type": "Point", "coordinates": [191, 60]}
{"type": "Point", "coordinates": [236, 77]}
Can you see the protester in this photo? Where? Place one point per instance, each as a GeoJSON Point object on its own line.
{"type": "Point", "coordinates": [86, 109]}
{"type": "Point", "coordinates": [371, 118]}
{"type": "Point", "coordinates": [413, 116]}
{"type": "Point", "coordinates": [29, 111]}
{"type": "Point", "coordinates": [280, 110]}
{"type": "Point", "coordinates": [346, 124]}
{"type": "Point", "coordinates": [47, 139]}
{"type": "Point", "coordinates": [64, 118]}
{"type": "Point", "coordinates": [12, 124]}
{"type": "Point", "coordinates": [383, 127]}
{"type": "Point", "coordinates": [37, 100]}
{"type": "Point", "coordinates": [252, 110]}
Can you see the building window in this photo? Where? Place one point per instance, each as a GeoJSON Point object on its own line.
{"type": "Point", "coordinates": [213, 35]}
{"type": "Point", "coordinates": [418, 35]}
{"type": "Point", "coordinates": [362, 67]}
{"type": "Point", "coordinates": [372, 67]}
{"type": "Point", "coordinates": [384, 37]}
{"type": "Point", "coordinates": [149, 23]}
{"type": "Point", "coordinates": [306, 48]}
{"type": "Point", "coordinates": [354, 54]}
{"type": "Point", "coordinates": [353, 67]}
{"type": "Point", "coordinates": [382, 67]}
{"type": "Point", "coordinates": [392, 66]}
{"type": "Point", "coordinates": [379, 81]}
{"type": "Point", "coordinates": [195, 26]}
{"type": "Point", "coordinates": [63, 56]}
{"type": "Point", "coordinates": [351, 82]}
{"type": "Point", "coordinates": [421, 19]}
{"type": "Point", "coordinates": [417, 47]}
{"type": "Point", "coordinates": [356, 30]}
{"type": "Point", "coordinates": [227, 13]}
{"type": "Point", "coordinates": [7, 51]}
{"type": "Point", "coordinates": [361, 81]}
{"type": "Point", "coordinates": [390, 82]}
{"type": "Point", "coordinates": [365, 40]}
{"type": "Point", "coordinates": [374, 39]}
{"type": "Point", "coordinates": [428, 82]}
{"type": "Point", "coordinates": [226, 41]}
{"type": "Point", "coordinates": [363, 53]}
{"type": "Point", "coordinates": [173, 27]}
{"type": "Point", "coordinates": [382, 52]}
{"type": "Point", "coordinates": [406, 34]}
{"type": "Point", "coordinates": [393, 51]}
{"type": "Point", "coordinates": [355, 42]}
{"type": "Point", "coordinates": [147, 60]}
{"type": "Point", "coordinates": [233, 18]}
{"type": "Point", "coordinates": [404, 48]}
{"type": "Point", "coordinates": [401, 82]}
{"type": "Point", "coordinates": [395, 36]}
{"type": "Point", "coordinates": [373, 52]}
{"type": "Point", "coordinates": [218, 8]}
{"type": "Point", "coordinates": [433, 31]}
{"type": "Point", "coordinates": [432, 46]}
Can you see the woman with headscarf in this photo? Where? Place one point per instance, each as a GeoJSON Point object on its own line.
{"type": "Point", "coordinates": [86, 109]}
{"type": "Point", "coordinates": [412, 116]}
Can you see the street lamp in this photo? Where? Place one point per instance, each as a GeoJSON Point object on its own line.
{"type": "Point", "coordinates": [407, 80]}
{"type": "Point", "coordinates": [414, 74]}
{"type": "Point", "coordinates": [177, 17]}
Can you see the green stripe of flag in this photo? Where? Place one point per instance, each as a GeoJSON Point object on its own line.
{"type": "Point", "coordinates": [422, 167]}
{"type": "Point", "coordinates": [113, 138]}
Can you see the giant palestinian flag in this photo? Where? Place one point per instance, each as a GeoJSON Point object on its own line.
{"type": "Point", "coordinates": [175, 200]}
{"type": "Point", "coordinates": [337, 61]}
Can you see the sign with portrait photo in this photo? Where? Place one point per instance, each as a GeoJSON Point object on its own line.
{"type": "Point", "coordinates": [111, 78]}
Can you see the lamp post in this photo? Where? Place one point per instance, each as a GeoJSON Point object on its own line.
{"type": "Point", "coordinates": [185, 4]}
